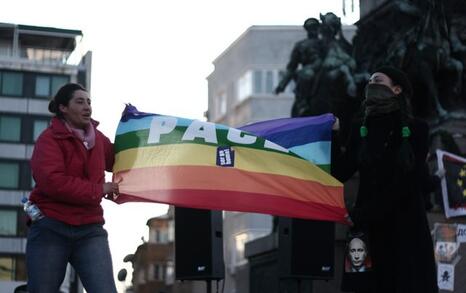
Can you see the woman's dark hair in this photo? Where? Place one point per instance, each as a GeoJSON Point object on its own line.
{"type": "Point", "coordinates": [63, 97]}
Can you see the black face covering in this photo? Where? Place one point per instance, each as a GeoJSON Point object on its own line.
{"type": "Point", "coordinates": [380, 100]}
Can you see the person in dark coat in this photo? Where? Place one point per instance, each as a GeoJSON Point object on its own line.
{"type": "Point", "coordinates": [388, 147]}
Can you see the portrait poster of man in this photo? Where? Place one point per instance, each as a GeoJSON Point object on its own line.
{"type": "Point", "coordinates": [446, 243]}
{"type": "Point", "coordinates": [357, 257]}
{"type": "Point", "coordinates": [453, 183]}
{"type": "Point", "coordinates": [357, 264]}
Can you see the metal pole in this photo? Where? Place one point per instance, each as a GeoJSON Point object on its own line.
{"type": "Point", "coordinates": [209, 286]}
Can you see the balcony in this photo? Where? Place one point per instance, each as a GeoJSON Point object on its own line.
{"type": "Point", "coordinates": [36, 56]}
{"type": "Point", "coordinates": [29, 45]}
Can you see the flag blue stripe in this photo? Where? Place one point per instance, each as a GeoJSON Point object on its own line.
{"type": "Point", "coordinates": [315, 152]}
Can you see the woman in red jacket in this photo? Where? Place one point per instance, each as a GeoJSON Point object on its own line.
{"type": "Point", "coordinates": [68, 165]}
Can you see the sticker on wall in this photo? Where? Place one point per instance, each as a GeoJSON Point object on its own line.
{"type": "Point", "coordinates": [446, 276]}
{"type": "Point", "coordinates": [461, 233]}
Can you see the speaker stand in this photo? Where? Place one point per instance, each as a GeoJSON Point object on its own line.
{"type": "Point", "coordinates": [209, 286]}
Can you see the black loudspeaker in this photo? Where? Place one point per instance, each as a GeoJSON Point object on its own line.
{"type": "Point", "coordinates": [198, 244]}
{"type": "Point", "coordinates": [306, 249]}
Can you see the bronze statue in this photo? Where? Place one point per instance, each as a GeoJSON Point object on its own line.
{"type": "Point", "coordinates": [322, 69]}
{"type": "Point", "coordinates": [305, 61]}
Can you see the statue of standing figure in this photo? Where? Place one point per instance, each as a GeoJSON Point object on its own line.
{"type": "Point", "coordinates": [321, 68]}
{"type": "Point", "coordinates": [305, 60]}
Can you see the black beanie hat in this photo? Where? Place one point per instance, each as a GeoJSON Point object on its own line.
{"type": "Point", "coordinates": [398, 77]}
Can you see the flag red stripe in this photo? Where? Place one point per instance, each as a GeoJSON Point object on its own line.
{"type": "Point", "coordinates": [239, 201]}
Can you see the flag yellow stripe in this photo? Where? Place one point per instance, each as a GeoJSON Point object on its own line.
{"type": "Point", "coordinates": [246, 159]}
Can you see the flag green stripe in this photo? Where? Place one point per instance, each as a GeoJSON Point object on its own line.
{"type": "Point", "coordinates": [136, 139]}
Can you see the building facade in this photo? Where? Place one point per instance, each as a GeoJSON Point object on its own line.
{"type": "Point", "coordinates": [241, 91]}
{"type": "Point", "coordinates": [153, 267]}
{"type": "Point", "coordinates": [34, 63]}
{"type": "Point", "coordinates": [154, 261]}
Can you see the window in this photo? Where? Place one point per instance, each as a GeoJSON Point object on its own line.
{"type": "Point", "coordinates": [42, 86]}
{"type": "Point", "coordinates": [160, 236]}
{"type": "Point", "coordinates": [13, 222]}
{"type": "Point", "coordinates": [157, 236]}
{"type": "Point", "coordinates": [222, 104]}
{"type": "Point", "coordinates": [12, 268]}
{"type": "Point", "coordinates": [10, 128]}
{"type": "Point", "coordinates": [245, 86]}
{"type": "Point", "coordinates": [171, 231]}
{"type": "Point", "coordinates": [10, 175]}
{"type": "Point", "coordinates": [159, 272]}
{"type": "Point", "coordinates": [257, 81]}
{"type": "Point", "coordinates": [260, 81]}
{"type": "Point", "coordinates": [8, 222]}
{"type": "Point", "coordinates": [12, 83]}
{"type": "Point", "coordinates": [269, 84]}
{"type": "Point", "coordinates": [6, 269]}
{"type": "Point", "coordinates": [48, 85]}
{"type": "Point", "coordinates": [170, 273]}
{"type": "Point", "coordinates": [57, 82]}
{"type": "Point", "coordinates": [39, 126]}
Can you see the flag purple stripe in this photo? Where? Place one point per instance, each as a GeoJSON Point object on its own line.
{"type": "Point", "coordinates": [289, 132]}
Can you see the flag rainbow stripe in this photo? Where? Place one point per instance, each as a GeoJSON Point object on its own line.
{"type": "Point", "coordinates": [204, 165]}
{"type": "Point", "coordinates": [308, 137]}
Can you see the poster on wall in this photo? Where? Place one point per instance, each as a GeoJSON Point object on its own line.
{"type": "Point", "coordinates": [453, 183]}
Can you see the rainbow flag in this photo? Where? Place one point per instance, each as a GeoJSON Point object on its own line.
{"type": "Point", "coordinates": [199, 164]}
{"type": "Point", "coordinates": [308, 137]}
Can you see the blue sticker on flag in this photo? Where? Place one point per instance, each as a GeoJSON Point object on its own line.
{"type": "Point", "coordinates": [225, 156]}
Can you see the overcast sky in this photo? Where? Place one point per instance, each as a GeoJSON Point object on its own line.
{"type": "Point", "coordinates": [155, 55]}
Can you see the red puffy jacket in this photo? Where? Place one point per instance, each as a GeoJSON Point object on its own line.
{"type": "Point", "coordinates": [69, 178]}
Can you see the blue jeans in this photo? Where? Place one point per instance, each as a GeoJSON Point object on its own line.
{"type": "Point", "coordinates": [53, 244]}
